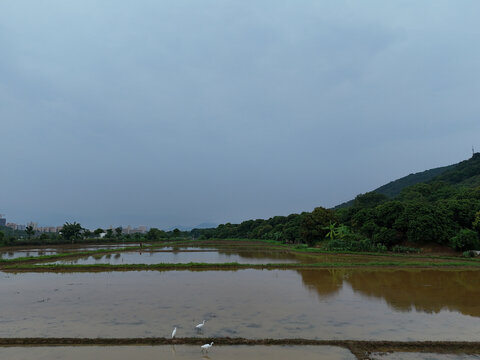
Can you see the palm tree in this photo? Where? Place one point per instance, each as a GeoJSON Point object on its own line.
{"type": "Point", "coordinates": [71, 231]}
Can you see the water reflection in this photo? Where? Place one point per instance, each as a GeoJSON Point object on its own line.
{"type": "Point", "coordinates": [24, 252]}
{"type": "Point", "coordinates": [429, 291]}
{"type": "Point", "coordinates": [421, 356]}
{"type": "Point", "coordinates": [217, 256]}
{"type": "Point", "coordinates": [316, 304]}
{"type": "Point", "coordinates": [184, 352]}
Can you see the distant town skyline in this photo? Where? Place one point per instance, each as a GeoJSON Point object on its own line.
{"type": "Point", "coordinates": [128, 229]}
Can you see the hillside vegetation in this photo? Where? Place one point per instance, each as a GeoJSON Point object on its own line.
{"type": "Point", "coordinates": [393, 188]}
{"type": "Point", "coordinates": [438, 206]}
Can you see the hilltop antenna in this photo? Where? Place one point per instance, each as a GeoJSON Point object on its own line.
{"type": "Point", "coordinates": [473, 151]}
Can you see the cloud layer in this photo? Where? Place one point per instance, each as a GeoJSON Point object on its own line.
{"type": "Point", "coordinates": [180, 112]}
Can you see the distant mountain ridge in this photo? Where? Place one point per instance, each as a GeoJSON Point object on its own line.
{"type": "Point", "coordinates": [204, 225]}
{"type": "Point", "coordinates": [466, 173]}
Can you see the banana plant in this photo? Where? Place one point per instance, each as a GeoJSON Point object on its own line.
{"type": "Point", "coordinates": [332, 232]}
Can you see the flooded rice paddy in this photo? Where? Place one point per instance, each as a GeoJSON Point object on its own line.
{"type": "Point", "coordinates": [178, 352]}
{"type": "Point", "coordinates": [188, 255]}
{"type": "Point", "coordinates": [422, 356]}
{"type": "Point", "coordinates": [357, 304]}
{"type": "Point", "coordinates": [40, 251]}
{"type": "Point", "coordinates": [372, 304]}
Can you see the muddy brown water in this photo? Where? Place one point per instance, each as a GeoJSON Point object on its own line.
{"type": "Point", "coordinates": [39, 251]}
{"type": "Point", "coordinates": [360, 304]}
{"type": "Point", "coordinates": [422, 356]}
{"type": "Point", "coordinates": [188, 255]}
{"type": "Point", "coordinates": [179, 352]}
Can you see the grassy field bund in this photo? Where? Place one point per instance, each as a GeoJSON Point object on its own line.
{"type": "Point", "coordinates": [313, 258]}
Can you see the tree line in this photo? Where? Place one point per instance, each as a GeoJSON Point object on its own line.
{"type": "Point", "coordinates": [425, 213]}
{"type": "Point", "coordinates": [75, 233]}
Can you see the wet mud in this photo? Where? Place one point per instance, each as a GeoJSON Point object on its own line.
{"type": "Point", "coordinates": [361, 349]}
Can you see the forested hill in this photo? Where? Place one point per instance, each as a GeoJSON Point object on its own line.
{"type": "Point", "coordinates": [465, 173]}
{"type": "Point", "coordinates": [393, 188]}
{"type": "Point", "coordinates": [440, 206]}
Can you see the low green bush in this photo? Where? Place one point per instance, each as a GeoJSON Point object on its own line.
{"type": "Point", "coordinates": [355, 244]}
{"type": "Point", "coordinates": [405, 250]}
{"type": "Point", "coordinates": [300, 247]}
{"type": "Point", "coordinates": [466, 239]}
{"type": "Point", "coordinates": [469, 254]}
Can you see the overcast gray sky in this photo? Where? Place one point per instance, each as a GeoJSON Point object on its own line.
{"type": "Point", "coordinates": [177, 112]}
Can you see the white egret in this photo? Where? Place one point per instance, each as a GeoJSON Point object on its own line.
{"type": "Point", "coordinates": [200, 326]}
{"type": "Point", "coordinates": [206, 346]}
{"type": "Point", "coordinates": [174, 332]}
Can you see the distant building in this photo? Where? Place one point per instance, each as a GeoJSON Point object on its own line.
{"type": "Point", "coordinates": [12, 226]}
{"type": "Point", "coordinates": [34, 225]}
{"type": "Point", "coordinates": [3, 221]}
{"type": "Point", "coordinates": [47, 229]}
{"type": "Point", "coordinates": [138, 230]}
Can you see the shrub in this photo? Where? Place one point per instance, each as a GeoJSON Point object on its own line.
{"type": "Point", "coordinates": [469, 254]}
{"type": "Point", "coordinates": [300, 246]}
{"type": "Point", "coordinates": [385, 236]}
{"type": "Point", "coordinates": [405, 250]}
{"type": "Point", "coordinates": [465, 240]}
{"type": "Point", "coordinates": [355, 244]}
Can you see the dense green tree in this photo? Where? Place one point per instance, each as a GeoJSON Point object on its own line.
{"type": "Point", "coordinates": [314, 225]}
{"type": "Point", "coordinates": [466, 239]}
{"type": "Point", "coordinates": [476, 222]}
{"type": "Point", "coordinates": [429, 192]}
{"type": "Point", "coordinates": [261, 231]}
{"type": "Point", "coordinates": [245, 228]}
{"type": "Point", "coordinates": [344, 215]}
{"type": "Point", "coordinates": [364, 221]}
{"type": "Point", "coordinates": [71, 231]}
{"type": "Point", "coordinates": [291, 232]}
{"type": "Point", "coordinates": [369, 199]}
{"type": "Point", "coordinates": [463, 210]}
{"type": "Point", "coordinates": [385, 236]}
{"type": "Point", "coordinates": [424, 222]}
{"type": "Point", "coordinates": [155, 234]}
{"type": "Point", "coordinates": [387, 213]}
{"type": "Point", "coordinates": [227, 230]}
{"type": "Point", "coordinates": [29, 231]}
{"type": "Point", "coordinates": [138, 236]}
{"type": "Point", "coordinates": [342, 231]}
{"type": "Point", "coordinates": [98, 231]}
{"type": "Point", "coordinates": [118, 231]}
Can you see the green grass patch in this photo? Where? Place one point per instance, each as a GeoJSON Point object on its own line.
{"type": "Point", "coordinates": [230, 266]}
